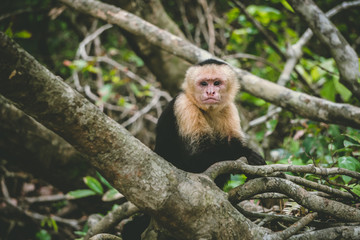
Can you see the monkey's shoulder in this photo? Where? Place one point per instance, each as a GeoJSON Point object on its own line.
{"type": "Point", "coordinates": [167, 136]}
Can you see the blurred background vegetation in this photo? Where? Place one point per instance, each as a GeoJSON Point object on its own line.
{"type": "Point", "coordinates": [53, 34]}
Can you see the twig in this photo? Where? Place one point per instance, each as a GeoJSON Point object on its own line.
{"type": "Point", "coordinates": [185, 20]}
{"type": "Point", "coordinates": [96, 99]}
{"type": "Point", "coordinates": [293, 229]}
{"type": "Point", "coordinates": [239, 166]}
{"type": "Point", "coordinates": [345, 232]}
{"type": "Point", "coordinates": [112, 218]}
{"type": "Point", "coordinates": [51, 198]}
{"type": "Point", "coordinates": [210, 25]}
{"type": "Point", "coordinates": [344, 56]}
{"type": "Point", "coordinates": [14, 13]}
{"type": "Point", "coordinates": [270, 217]}
{"type": "Point", "coordinates": [81, 50]}
{"type": "Point", "coordinates": [83, 53]}
{"type": "Point", "coordinates": [273, 195]}
{"type": "Point", "coordinates": [37, 216]}
{"type": "Point", "coordinates": [264, 32]}
{"type": "Point", "coordinates": [252, 57]}
{"type": "Point", "coordinates": [4, 188]}
{"type": "Point", "coordinates": [265, 117]}
{"type": "Point", "coordinates": [143, 111]}
{"type": "Point", "coordinates": [319, 187]}
{"type": "Point", "coordinates": [105, 236]}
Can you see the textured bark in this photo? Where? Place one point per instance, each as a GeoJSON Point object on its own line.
{"type": "Point", "coordinates": [344, 55]}
{"type": "Point", "coordinates": [300, 103]}
{"type": "Point", "coordinates": [189, 205]}
{"type": "Point", "coordinates": [345, 232]}
{"type": "Point", "coordinates": [35, 149]}
{"type": "Point", "coordinates": [168, 69]}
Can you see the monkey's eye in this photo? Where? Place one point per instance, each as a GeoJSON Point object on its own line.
{"type": "Point", "coordinates": [203, 83]}
{"type": "Point", "coordinates": [217, 83]}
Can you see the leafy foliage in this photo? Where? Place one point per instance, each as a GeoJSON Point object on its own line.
{"type": "Point", "coordinates": [52, 35]}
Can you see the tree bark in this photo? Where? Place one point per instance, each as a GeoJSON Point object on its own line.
{"type": "Point", "coordinates": [32, 147]}
{"type": "Point", "coordinates": [189, 205]}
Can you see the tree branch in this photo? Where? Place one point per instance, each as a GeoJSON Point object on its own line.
{"type": "Point", "coordinates": [241, 166]}
{"type": "Point", "coordinates": [298, 194]}
{"type": "Point", "coordinates": [105, 236]}
{"type": "Point", "coordinates": [112, 219]}
{"type": "Point", "coordinates": [345, 232]}
{"type": "Point", "coordinates": [277, 170]}
{"type": "Point", "coordinates": [344, 55]}
{"type": "Point", "coordinates": [293, 229]}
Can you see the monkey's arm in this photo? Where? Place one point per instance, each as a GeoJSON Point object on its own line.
{"type": "Point", "coordinates": [254, 158]}
{"type": "Point", "coordinates": [242, 150]}
{"type": "Point", "coordinates": [168, 143]}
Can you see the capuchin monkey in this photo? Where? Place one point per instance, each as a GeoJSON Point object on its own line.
{"type": "Point", "coordinates": [201, 126]}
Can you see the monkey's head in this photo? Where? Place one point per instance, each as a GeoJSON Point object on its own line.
{"type": "Point", "coordinates": [211, 84]}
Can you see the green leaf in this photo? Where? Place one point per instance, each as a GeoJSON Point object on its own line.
{"type": "Point", "coordinates": [103, 180]}
{"type": "Point", "coordinates": [331, 147]}
{"type": "Point", "coordinates": [112, 195]}
{"type": "Point", "coordinates": [80, 233]}
{"type": "Point", "coordinates": [350, 144]}
{"type": "Point", "coordinates": [81, 193]}
{"type": "Point", "coordinates": [309, 143]}
{"type": "Point", "coordinates": [315, 74]}
{"type": "Point", "coordinates": [93, 184]}
{"type": "Point", "coordinates": [342, 150]}
{"type": "Point", "coordinates": [232, 15]}
{"type": "Point", "coordinates": [23, 34]}
{"type": "Point", "coordinates": [105, 92]}
{"type": "Point", "coordinates": [342, 90]}
{"type": "Point", "coordinates": [54, 225]}
{"type": "Point", "coordinates": [9, 31]}
{"type": "Point", "coordinates": [92, 69]}
{"type": "Point", "coordinates": [355, 138]}
{"type": "Point", "coordinates": [328, 91]}
{"type": "Point", "coordinates": [250, 98]}
{"type": "Point", "coordinates": [287, 5]}
{"type": "Point", "coordinates": [355, 188]}
{"type": "Point", "coordinates": [349, 163]}
{"type": "Point", "coordinates": [235, 180]}
{"type": "Point", "coordinates": [136, 90]}
{"type": "Point", "coordinates": [79, 64]}
{"type": "Point", "coordinates": [43, 235]}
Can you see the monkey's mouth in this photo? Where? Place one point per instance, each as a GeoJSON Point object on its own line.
{"type": "Point", "coordinates": [210, 100]}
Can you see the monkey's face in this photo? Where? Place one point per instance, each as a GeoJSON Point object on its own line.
{"type": "Point", "coordinates": [211, 86]}
{"type": "Point", "coordinates": [210, 90]}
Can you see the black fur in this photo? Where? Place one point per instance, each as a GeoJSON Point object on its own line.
{"type": "Point", "coordinates": [211, 61]}
{"type": "Point", "coordinates": [174, 149]}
